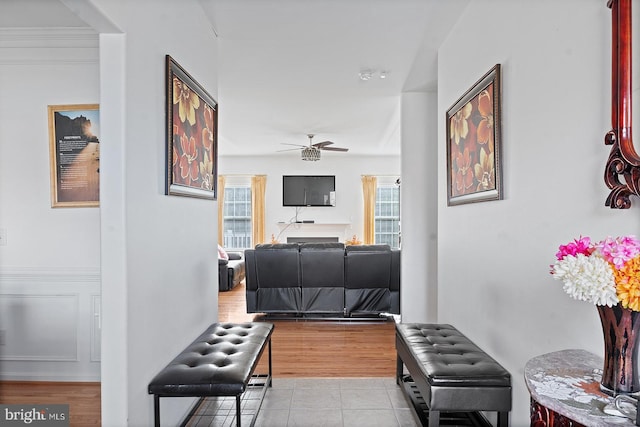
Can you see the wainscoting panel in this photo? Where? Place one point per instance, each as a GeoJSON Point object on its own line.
{"type": "Point", "coordinates": [39, 327]}
{"type": "Point", "coordinates": [96, 327]}
{"type": "Point", "coordinates": [49, 325]}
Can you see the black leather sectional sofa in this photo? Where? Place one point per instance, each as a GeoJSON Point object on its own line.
{"type": "Point", "coordinates": [327, 278]}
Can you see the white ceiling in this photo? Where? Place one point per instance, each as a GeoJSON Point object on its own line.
{"type": "Point", "coordinates": [290, 67]}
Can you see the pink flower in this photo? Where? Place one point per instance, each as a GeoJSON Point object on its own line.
{"type": "Point", "coordinates": [619, 250]}
{"type": "Point", "coordinates": [578, 246]}
{"type": "Point", "coordinates": [603, 273]}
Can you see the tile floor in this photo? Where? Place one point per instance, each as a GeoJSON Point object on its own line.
{"type": "Point", "coordinates": [310, 402]}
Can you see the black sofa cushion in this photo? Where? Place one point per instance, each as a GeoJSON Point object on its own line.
{"type": "Point", "coordinates": [322, 275]}
{"type": "Point", "coordinates": [277, 270]}
{"type": "Point", "coordinates": [367, 266]}
{"type": "Point", "coordinates": [322, 265]}
{"type": "Point", "coordinates": [367, 276]}
{"type": "Point", "coordinates": [277, 265]}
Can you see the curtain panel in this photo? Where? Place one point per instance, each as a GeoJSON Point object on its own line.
{"type": "Point", "coordinates": [221, 181]}
{"type": "Point", "coordinates": [258, 186]}
{"type": "Point", "coordinates": [369, 185]}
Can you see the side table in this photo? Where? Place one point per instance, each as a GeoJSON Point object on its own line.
{"type": "Point", "coordinates": [565, 391]}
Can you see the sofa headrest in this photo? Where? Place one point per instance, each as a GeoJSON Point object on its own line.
{"type": "Point", "coordinates": [321, 246]}
{"type": "Point", "coordinates": [279, 246]}
{"type": "Point", "coordinates": [368, 248]}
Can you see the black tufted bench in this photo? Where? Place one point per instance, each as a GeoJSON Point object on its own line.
{"type": "Point", "coordinates": [220, 362]}
{"type": "Point", "coordinates": [451, 373]}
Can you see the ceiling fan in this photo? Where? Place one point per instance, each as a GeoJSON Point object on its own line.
{"type": "Point", "coordinates": [312, 151]}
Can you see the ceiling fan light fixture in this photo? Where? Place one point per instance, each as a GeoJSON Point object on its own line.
{"type": "Point", "coordinates": [365, 75]}
{"type": "Point", "coordinates": [311, 154]}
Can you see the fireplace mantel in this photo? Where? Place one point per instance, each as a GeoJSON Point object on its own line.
{"type": "Point", "coordinates": [341, 230]}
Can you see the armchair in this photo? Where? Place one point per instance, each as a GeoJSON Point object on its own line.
{"type": "Point", "coordinates": [230, 271]}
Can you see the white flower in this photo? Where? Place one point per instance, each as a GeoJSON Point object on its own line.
{"type": "Point", "coordinates": [587, 278]}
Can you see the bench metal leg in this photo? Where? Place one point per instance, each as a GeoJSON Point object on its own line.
{"type": "Point", "coordinates": [156, 410]}
{"type": "Point", "coordinates": [503, 419]}
{"type": "Point", "coordinates": [434, 418]}
{"type": "Point", "coordinates": [270, 376]}
{"type": "Point", "coordinates": [238, 411]}
{"type": "Point", "coordinates": [399, 369]}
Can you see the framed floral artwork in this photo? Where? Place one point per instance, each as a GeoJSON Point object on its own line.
{"type": "Point", "coordinates": [192, 136]}
{"type": "Point", "coordinates": [474, 169]}
{"type": "Point", "coordinates": [74, 155]}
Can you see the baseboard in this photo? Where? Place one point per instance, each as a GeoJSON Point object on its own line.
{"type": "Point", "coordinates": [49, 378]}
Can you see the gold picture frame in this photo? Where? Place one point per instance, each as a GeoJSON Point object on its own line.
{"type": "Point", "coordinates": [74, 155]}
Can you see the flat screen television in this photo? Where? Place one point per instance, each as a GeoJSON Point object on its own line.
{"type": "Point", "coordinates": [308, 190]}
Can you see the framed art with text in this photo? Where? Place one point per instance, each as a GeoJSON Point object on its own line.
{"type": "Point", "coordinates": [474, 169]}
{"type": "Point", "coordinates": [74, 155]}
{"type": "Point", "coordinates": [192, 135]}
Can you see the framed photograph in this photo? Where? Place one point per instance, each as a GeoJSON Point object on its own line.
{"type": "Point", "coordinates": [74, 155]}
{"type": "Point", "coordinates": [192, 136]}
{"type": "Point", "coordinates": [474, 169]}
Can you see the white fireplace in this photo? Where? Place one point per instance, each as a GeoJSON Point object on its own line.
{"type": "Point", "coordinates": [313, 232]}
{"type": "Point", "coordinates": [311, 239]}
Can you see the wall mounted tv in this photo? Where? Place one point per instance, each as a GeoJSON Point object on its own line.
{"type": "Point", "coordinates": [308, 190]}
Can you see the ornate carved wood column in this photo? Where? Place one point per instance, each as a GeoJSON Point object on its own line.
{"type": "Point", "coordinates": [622, 172]}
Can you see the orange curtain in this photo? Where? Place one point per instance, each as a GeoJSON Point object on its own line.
{"type": "Point", "coordinates": [220, 191]}
{"type": "Point", "coordinates": [258, 187]}
{"type": "Point", "coordinates": [369, 184]}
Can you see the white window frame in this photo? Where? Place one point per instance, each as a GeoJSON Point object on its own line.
{"type": "Point", "coordinates": [387, 182]}
{"type": "Point", "coordinates": [230, 241]}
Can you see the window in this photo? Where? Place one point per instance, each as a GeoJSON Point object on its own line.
{"type": "Point", "coordinates": [237, 217]}
{"type": "Point", "coordinates": [387, 215]}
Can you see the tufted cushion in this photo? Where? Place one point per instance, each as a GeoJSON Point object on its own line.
{"type": "Point", "coordinates": [219, 362]}
{"type": "Point", "coordinates": [448, 358]}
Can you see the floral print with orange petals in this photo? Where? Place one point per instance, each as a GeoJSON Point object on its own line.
{"type": "Point", "coordinates": [193, 138]}
{"type": "Point", "coordinates": [472, 146]}
{"type": "Point", "coordinates": [459, 123]}
{"type": "Point", "coordinates": [188, 160]}
{"type": "Point", "coordinates": [484, 172]}
{"type": "Point", "coordinates": [188, 101]}
{"type": "Point", "coordinates": [464, 172]}
{"type": "Point", "coordinates": [485, 127]}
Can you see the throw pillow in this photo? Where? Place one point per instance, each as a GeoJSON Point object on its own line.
{"type": "Point", "coordinates": [222, 254]}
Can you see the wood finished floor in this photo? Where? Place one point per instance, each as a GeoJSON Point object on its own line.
{"type": "Point", "coordinates": [301, 348]}
{"type": "Point", "coordinates": [321, 348]}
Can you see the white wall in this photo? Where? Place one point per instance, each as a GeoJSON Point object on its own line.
{"type": "Point", "coordinates": [50, 261]}
{"type": "Point", "coordinates": [494, 257]}
{"type": "Point", "coordinates": [419, 213]}
{"type": "Point", "coordinates": [348, 169]}
{"type": "Point", "coordinates": [162, 247]}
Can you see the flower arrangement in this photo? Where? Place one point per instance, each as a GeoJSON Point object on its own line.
{"type": "Point", "coordinates": [354, 241]}
{"type": "Point", "coordinates": [602, 273]}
